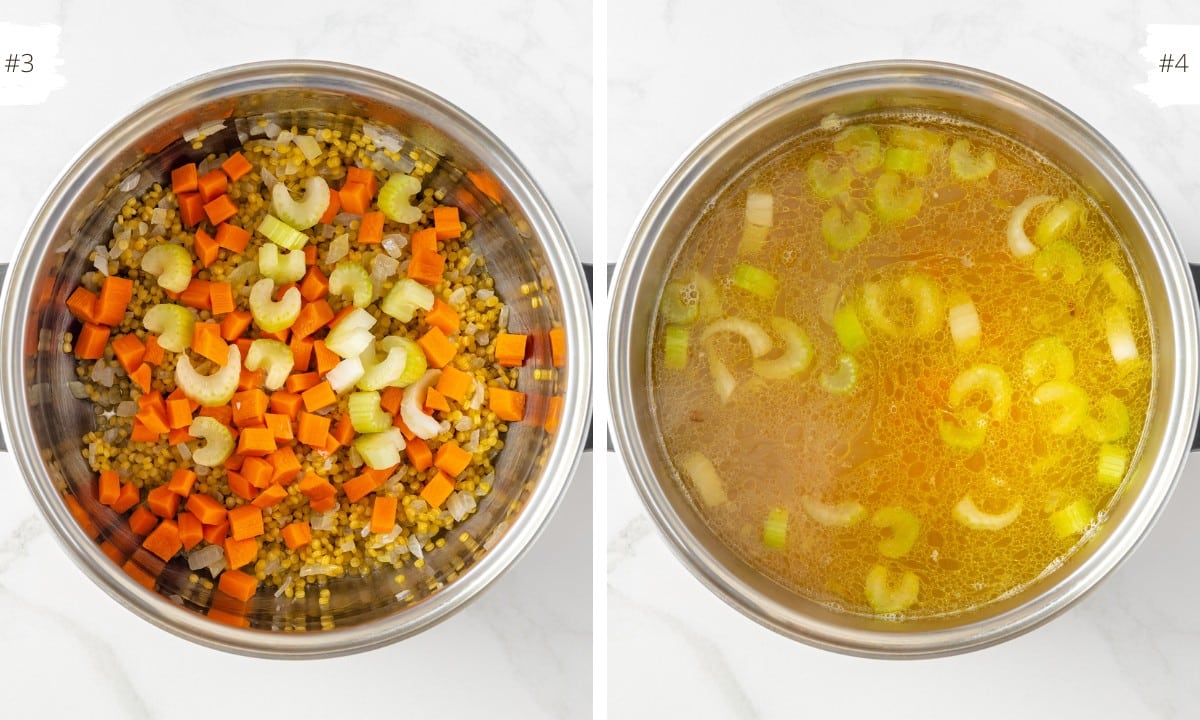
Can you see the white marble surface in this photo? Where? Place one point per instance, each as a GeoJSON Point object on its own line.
{"type": "Point", "coordinates": [523, 650]}
{"type": "Point", "coordinates": [1129, 650]}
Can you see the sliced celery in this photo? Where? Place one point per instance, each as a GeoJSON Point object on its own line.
{"type": "Point", "coordinates": [874, 305]}
{"type": "Point", "coordinates": [171, 264]}
{"type": "Point", "coordinates": [971, 516]}
{"type": "Point", "coordinates": [1120, 335]}
{"type": "Point", "coordinates": [964, 322]}
{"type": "Point", "coordinates": [967, 432]}
{"type": "Point", "coordinates": [699, 469]}
{"type": "Point", "coordinates": [844, 379]}
{"type": "Point", "coordinates": [887, 599]}
{"type": "Point", "coordinates": [928, 303]}
{"type": "Point", "coordinates": [893, 202]}
{"type": "Point", "coordinates": [849, 330]}
{"type": "Point", "coordinates": [1018, 242]}
{"type": "Point", "coordinates": [415, 363]}
{"type": "Point", "coordinates": [395, 199]}
{"type": "Point", "coordinates": [989, 380]}
{"type": "Point", "coordinates": [1122, 290]}
{"type": "Point", "coordinates": [797, 352]}
{"type": "Point", "coordinates": [1059, 258]}
{"type": "Point", "coordinates": [723, 380]}
{"type": "Point", "coordinates": [352, 277]}
{"type": "Point", "coordinates": [421, 424]}
{"type": "Point", "coordinates": [380, 450]}
{"type": "Point", "coordinates": [679, 304]}
{"type": "Point", "coordinates": [345, 374]}
{"type": "Point", "coordinates": [827, 178]}
{"type": "Point", "coordinates": [1110, 468]}
{"type": "Point", "coordinates": [283, 269]}
{"type": "Point", "coordinates": [966, 166]}
{"type": "Point", "coordinates": [755, 280]}
{"type": "Point", "coordinates": [843, 514]}
{"type": "Point", "coordinates": [210, 390]}
{"type": "Point", "coordinates": [405, 298]}
{"type": "Point", "coordinates": [366, 415]}
{"type": "Point", "coordinates": [1048, 358]}
{"type": "Point", "coordinates": [775, 528]}
{"type": "Point", "coordinates": [219, 441]}
{"type": "Point", "coordinates": [904, 526]}
{"type": "Point", "coordinates": [675, 347]}
{"type": "Point", "coordinates": [757, 221]}
{"type": "Point", "coordinates": [301, 214]}
{"type": "Point", "coordinates": [917, 138]}
{"type": "Point", "coordinates": [842, 234]}
{"type": "Point", "coordinates": [708, 297]}
{"type": "Point", "coordinates": [861, 144]}
{"type": "Point", "coordinates": [907, 161]}
{"type": "Point", "coordinates": [270, 315]}
{"type": "Point", "coordinates": [394, 367]}
{"type": "Point", "coordinates": [1111, 424]}
{"type": "Point", "coordinates": [1058, 221]}
{"type": "Point", "coordinates": [1072, 519]}
{"type": "Point", "coordinates": [274, 357]}
{"type": "Point", "coordinates": [282, 234]}
{"type": "Point", "coordinates": [352, 335]}
{"type": "Point", "coordinates": [754, 335]}
{"type": "Point", "coordinates": [1069, 398]}
{"type": "Point", "coordinates": [172, 323]}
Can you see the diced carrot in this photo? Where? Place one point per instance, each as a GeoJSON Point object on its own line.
{"type": "Point", "coordinates": [162, 502]}
{"type": "Point", "coordinates": [312, 429]}
{"type": "Point", "coordinates": [217, 533]}
{"type": "Point", "coordinates": [249, 379]}
{"type": "Point", "coordinates": [454, 384]}
{"type": "Point", "coordinates": [184, 179]}
{"type": "Point", "coordinates": [91, 341]}
{"type": "Point", "coordinates": [319, 396]}
{"type": "Point", "coordinates": [331, 210]}
{"type": "Point", "coordinates": [270, 497]}
{"type": "Point", "coordinates": [139, 574]}
{"type": "Point", "coordinates": [154, 400]}
{"type": "Point", "coordinates": [236, 165]}
{"type": "Point", "coordinates": [129, 351]}
{"type": "Point", "coordinates": [310, 254]}
{"type": "Point", "coordinates": [423, 241]}
{"type": "Point", "coordinates": [178, 435]}
{"type": "Point", "coordinates": [437, 489]}
{"type": "Point", "coordinates": [280, 335]}
{"type": "Point", "coordinates": [82, 304]}
{"type": "Point", "coordinates": [141, 376]}
{"type": "Point", "coordinates": [142, 521]}
{"type": "Point", "coordinates": [510, 349]}
{"type": "Point", "coordinates": [211, 185]}
{"type": "Point", "coordinates": [302, 349]}
{"type": "Point", "coordinates": [235, 324]}
{"type": "Point", "coordinates": [445, 220]}
{"type": "Point", "coordinates": [316, 487]}
{"type": "Point", "coordinates": [130, 496]}
{"type": "Point", "coordinates": [238, 585]}
{"type": "Point", "coordinates": [324, 504]}
{"type": "Point", "coordinates": [164, 540]}
{"type": "Point", "coordinates": [442, 317]}
{"type": "Point", "coordinates": [181, 482]}
{"type": "Point", "coordinates": [364, 177]}
{"type": "Point", "coordinates": [240, 552]}
{"type": "Point", "coordinates": [227, 617]}
{"type": "Point", "coordinates": [355, 198]}
{"type": "Point", "coordinates": [257, 472]}
{"type": "Point", "coordinates": [300, 382]}
{"type": "Point", "coordinates": [451, 459]}
{"type": "Point", "coordinates": [343, 429]}
{"type": "Point", "coordinates": [280, 426]}
{"type": "Point", "coordinates": [206, 248]}
{"type": "Point", "coordinates": [140, 433]}
{"type": "Point", "coordinates": [256, 441]}
{"type": "Point", "coordinates": [154, 419]}
{"type": "Point", "coordinates": [191, 530]}
{"type": "Point", "coordinates": [313, 316]}
{"type": "Point", "coordinates": [115, 294]}
{"type": "Point", "coordinates": [427, 267]}
{"type": "Point", "coordinates": [286, 403]}
{"type": "Point", "coordinates": [558, 346]}
{"type": "Point", "coordinates": [438, 348]}
{"type": "Point", "coordinates": [314, 286]}
{"type": "Point", "coordinates": [220, 296]}
{"type": "Point", "coordinates": [206, 508]}
{"type": "Point", "coordinates": [331, 445]}
{"type": "Point", "coordinates": [370, 230]}
{"type": "Point", "coordinates": [179, 414]}
{"type": "Point", "coordinates": [240, 486]}
{"type": "Point", "coordinates": [245, 521]}
{"type": "Point", "coordinates": [220, 209]}
{"type": "Point", "coordinates": [81, 516]}
{"type": "Point", "coordinates": [398, 422]}
{"type": "Point", "coordinates": [234, 462]}
{"type": "Point", "coordinates": [390, 399]}
{"type": "Point", "coordinates": [191, 208]}
{"type": "Point", "coordinates": [232, 237]}
{"type": "Point", "coordinates": [223, 413]}
{"type": "Point", "coordinates": [296, 535]}
{"type": "Point", "coordinates": [554, 408]}
{"type": "Point", "coordinates": [418, 454]}
{"type": "Point", "coordinates": [285, 466]}
{"type": "Point", "coordinates": [509, 405]}
{"type": "Point", "coordinates": [434, 400]}
{"type": "Point", "coordinates": [113, 552]}
{"type": "Point", "coordinates": [243, 345]}
{"type": "Point", "coordinates": [196, 295]}
{"type": "Point", "coordinates": [326, 358]}
{"type": "Point", "coordinates": [383, 514]}
{"type": "Point", "coordinates": [108, 489]}
{"type": "Point", "coordinates": [154, 351]}
{"type": "Point", "coordinates": [249, 407]}
{"type": "Point", "coordinates": [207, 342]}
{"type": "Point", "coordinates": [359, 486]}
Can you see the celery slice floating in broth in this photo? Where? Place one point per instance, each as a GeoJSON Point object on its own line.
{"type": "Point", "coordinates": [699, 469]}
{"type": "Point", "coordinates": [1048, 359]}
{"type": "Point", "coordinates": [1058, 221]}
{"type": "Point", "coordinates": [843, 514]}
{"type": "Point", "coordinates": [757, 221]}
{"type": "Point", "coordinates": [675, 347]}
{"type": "Point", "coordinates": [904, 526]}
{"type": "Point", "coordinates": [861, 144]}
{"type": "Point", "coordinates": [1069, 398]}
{"type": "Point", "coordinates": [755, 280]}
{"type": "Point", "coordinates": [887, 599]}
{"type": "Point", "coordinates": [1060, 259]}
{"type": "Point", "coordinates": [972, 517]}
{"type": "Point", "coordinates": [892, 201]}
{"type": "Point", "coordinates": [797, 353]}
{"type": "Point", "coordinates": [842, 234]}
{"type": "Point", "coordinates": [757, 338]}
{"type": "Point", "coordinates": [775, 528]}
{"type": "Point", "coordinates": [907, 161]}
{"type": "Point", "coordinates": [984, 379]}
{"type": "Point", "coordinates": [842, 380]}
{"type": "Point", "coordinates": [849, 329]}
{"type": "Point", "coordinates": [826, 178]}
{"type": "Point", "coordinates": [1072, 519]}
{"type": "Point", "coordinates": [966, 166]}
{"type": "Point", "coordinates": [680, 303]}
{"type": "Point", "coordinates": [968, 433]}
{"type": "Point", "coordinates": [1111, 424]}
{"type": "Point", "coordinates": [1018, 242]}
{"type": "Point", "coordinates": [1112, 463]}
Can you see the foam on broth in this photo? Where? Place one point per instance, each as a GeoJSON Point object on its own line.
{"type": "Point", "coordinates": [775, 441]}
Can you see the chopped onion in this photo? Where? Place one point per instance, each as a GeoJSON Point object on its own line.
{"type": "Point", "coordinates": [130, 182]}
{"type": "Point", "coordinates": [1120, 335]}
{"type": "Point", "coordinates": [394, 244]}
{"type": "Point", "coordinates": [79, 391]}
{"type": "Point", "coordinates": [339, 247]}
{"type": "Point", "coordinates": [759, 340]}
{"type": "Point", "coordinates": [964, 323]}
{"type": "Point", "coordinates": [308, 145]}
{"type": "Point", "coordinates": [343, 375]}
{"type": "Point", "coordinates": [287, 583]}
{"type": "Point", "coordinates": [205, 556]}
{"type": "Point", "coordinates": [126, 408]}
{"type": "Point", "coordinates": [1018, 241]}
{"type": "Point", "coordinates": [319, 569]}
{"type": "Point", "coordinates": [700, 470]}
{"type": "Point", "coordinates": [324, 521]}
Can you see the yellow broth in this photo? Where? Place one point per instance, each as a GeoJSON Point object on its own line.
{"type": "Point", "coordinates": [784, 447]}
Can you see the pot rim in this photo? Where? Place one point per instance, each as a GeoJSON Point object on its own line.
{"type": "Point", "coordinates": [1145, 508]}
{"type": "Point", "coordinates": [562, 461]}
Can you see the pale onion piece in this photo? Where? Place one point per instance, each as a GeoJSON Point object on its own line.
{"type": "Point", "coordinates": [282, 268]}
{"type": "Point", "coordinates": [274, 357]}
{"type": "Point", "coordinates": [1122, 290]}
{"type": "Point", "coordinates": [395, 199]}
{"type": "Point", "coordinates": [308, 145]}
{"type": "Point", "coordinates": [171, 264]}
{"type": "Point", "coordinates": [345, 374]}
{"type": "Point", "coordinates": [723, 380]}
{"type": "Point", "coordinates": [843, 514]}
{"type": "Point", "coordinates": [174, 325]}
{"type": "Point", "coordinates": [1120, 335]}
{"type": "Point", "coordinates": [797, 354]}
{"type": "Point", "coordinates": [421, 425]}
{"type": "Point", "coordinates": [709, 486]}
{"type": "Point", "coordinates": [887, 599]}
{"type": "Point", "coordinates": [983, 378]}
{"type": "Point", "coordinates": [352, 277]}
{"type": "Point", "coordinates": [242, 274]}
{"type": "Point", "coordinates": [1018, 241]}
{"type": "Point", "coordinates": [1071, 400]}
{"type": "Point", "coordinates": [301, 214]}
{"type": "Point", "coordinates": [760, 206]}
{"type": "Point", "coordinates": [339, 247]}
{"type": "Point", "coordinates": [415, 363]}
{"type": "Point", "coordinates": [210, 390]}
{"type": "Point", "coordinates": [972, 517]}
{"type": "Point", "coordinates": [964, 323]}
{"type": "Point", "coordinates": [904, 526]}
{"type": "Point", "coordinates": [352, 334]}
{"type": "Point", "coordinates": [758, 339]}
{"type": "Point", "coordinates": [218, 444]}
{"type": "Point", "coordinates": [270, 315]}
{"type": "Point", "coordinates": [205, 556]}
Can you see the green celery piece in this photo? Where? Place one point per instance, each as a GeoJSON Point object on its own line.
{"type": "Point", "coordinates": [797, 354]}
{"type": "Point", "coordinates": [861, 144]}
{"type": "Point", "coordinates": [1048, 358]}
{"type": "Point", "coordinates": [966, 434]}
{"type": "Point", "coordinates": [842, 234]}
{"type": "Point", "coordinates": [988, 379]}
{"type": "Point", "coordinates": [174, 325]}
{"type": "Point", "coordinates": [283, 268]}
{"type": "Point", "coordinates": [405, 298]}
{"type": "Point", "coordinates": [844, 379]}
{"type": "Point", "coordinates": [1069, 398]}
{"type": "Point", "coordinates": [1058, 258]}
{"type": "Point", "coordinates": [907, 161]}
{"type": "Point", "coordinates": [929, 305]}
{"type": "Point", "coordinates": [680, 303]}
{"type": "Point", "coordinates": [1112, 463]}
{"type": "Point", "coordinates": [415, 363]}
{"type": "Point", "coordinates": [917, 138]}
{"type": "Point", "coordinates": [1122, 290]}
{"type": "Point", "coordinates": [395, 199]}
{"type": "Point", "coordinates": [755, 280]}
{"type": "Point", "coordinates": [904, 526]}
{"type": "Point", "coordinates": [1059, 220]}
{"type": "Point", "coordinates": [849, 329]}
{"type": "Point", "coordinates": [886, 599]}
{"type": "Point", "coordinates": [1072, 519]}
{"type": "Point", "coordinates": [675, 347]}
{"type": "Point", "coordinates": [270, 315]}
{"type": "Point", "coordinates": [966, 166]}
{"type": "Point", "coordinates": [274, 357]}
{"type": "Point", "coordinates": [775, 528]}
{"type": "Point", "coordinates": [843, 514]}
{"type": "Point", "coordinates": [1112, 424]}
{"type": "Point", "coordinates": [219, 445]}
{"type": "Point", "coordinates": [366, 415]}
{"type": "Point", "coordinates": [301, 214]}
{"type": "Point", "coordinates": [282, 234]}
{"type": "Point", "coordinates": [210, 390]}
{"type": "Point", "coordinates": [826, 178]}
{"type": "Point", "coordinates": [893, 202]}
{"type": "Point", "coordinates": [171, 264]}
{"type": "Point", "coordinates": [972, 517]}
{"type": "Point", "coordinates": [352, 277]}
{"type": "Point", "coordinates": [380, 450]}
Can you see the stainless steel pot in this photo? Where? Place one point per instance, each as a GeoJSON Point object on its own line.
{"type": "Point", "coordinates": [535, 269]}
{"type": "Point", "coordinates": [990, 101]}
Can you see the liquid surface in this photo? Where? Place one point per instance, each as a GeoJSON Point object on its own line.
{"type": "Point", "coordinates": [950, 474]}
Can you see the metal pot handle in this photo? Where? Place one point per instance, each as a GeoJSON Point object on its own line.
{"type": "Point", "coordinates": [3, 274]}
{"type": "Point", "coordinates": [1196, 278]}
